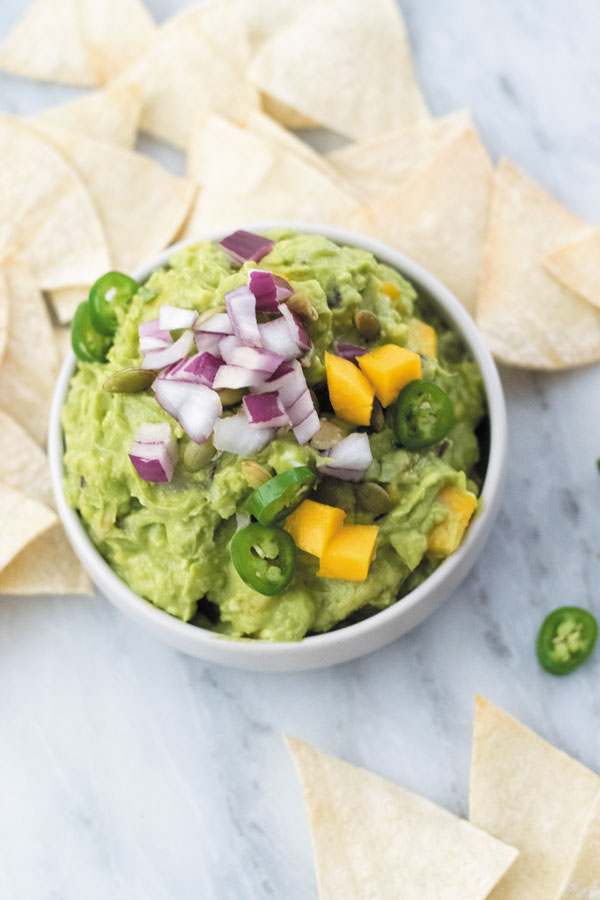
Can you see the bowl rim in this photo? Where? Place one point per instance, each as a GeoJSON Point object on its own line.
{"type": "Point", "coordinates": [247, 650]}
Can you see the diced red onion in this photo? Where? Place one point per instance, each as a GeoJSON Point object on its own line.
{"type": "Point", "coordinates": [350, 459]}
{"type": "Point", "coordinates": [152, 337]}
{"type": "Point", "coordinates": [220, 323]}
{"type": "Point", "coordinates": [195, 406]}
{"type": "Point", "coordinates": [237, 435]}
{"type": "Point", "coordinates": [297, 330]}
{"type": "Point", "coordinates": [171, 318]}
{"type": "Point", "coordinates": [288, 380]}
{"type": "Point", "coordinates": [199, 369]}
{"type": "Point", "coordinates": [265, 410]}
{"type": "Point", "coordinates": [307, 429]}
{"type": "Point", "coordinates": [301, 408]}
{"type": "Point", "coordinates": [275, 336]}
{"type": "Point", "coordinates": [207, 340]}
{"type": "Point", "coordinates": [228, 343]}
{"type": "Point", "coordinates": [244, 245]}
{"type": "Point", "coordinates": [268, 289]}
{"type": "Point", "coordinates": [250, 357]}
{"type": "Point", "coordinates": [236, 377]}
{"type": "Point", "coordinates": [349, 351]}
{"type": "Point", "coordinates": [158, 359]}
{"type": "Point", "coordinates": [154, 452]}
{"type": "Point", "coordinates": [241, 306]}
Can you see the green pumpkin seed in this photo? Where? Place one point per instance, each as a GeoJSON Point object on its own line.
{"type": "Point", "coordinates": [328, 435]}
{"type": "Point", "coordinates": [373, 498]}
{"type": "Point", "coordinates": [198, 456]}
{"type": "Point", "coordinates": [255, 474]}
{"type": "Point", "coordinates": [129, 381]}
{"type": "Point", "coordinates": [300, 304]}
{"type": "Point", "coordinates": [367, 324]}
{"type": "Point", "coordinates": [231, 396]}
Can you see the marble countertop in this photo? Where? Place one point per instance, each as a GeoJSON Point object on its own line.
{"type": "Point", "coordinates": [128, 770]}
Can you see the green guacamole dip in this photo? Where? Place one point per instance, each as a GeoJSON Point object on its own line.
{"type": "Point", "coordinates": [170, 542]}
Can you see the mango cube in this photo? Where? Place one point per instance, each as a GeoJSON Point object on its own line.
{"type": "Point", "coordinates": [349, 553]}
{"type": "Point", "coordinates": [422, 337]}
{"type": "Point", "coordinates": [444, 539]}
{"type": "Point", "coordinates": [313, 525]}
{"type": "Point", "coordinates": [389, 369]}
{"type": "Point", "coordinates": [350, 393]}
{"type": "Point", "coordinates": [390, 290]}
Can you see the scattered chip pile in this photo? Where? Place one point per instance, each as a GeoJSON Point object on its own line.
{"type": "Point", "coordinates": [533, 830]}
{"type": "Point", "coordinates": [225, 81]}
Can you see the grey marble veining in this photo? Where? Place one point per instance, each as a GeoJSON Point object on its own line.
{"type": "Point", "coordinates": [130, 771]}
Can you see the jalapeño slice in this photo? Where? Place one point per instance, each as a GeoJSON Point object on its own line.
{"type": "Point", "coordinates": [88, 345]}
{"type": "Point", "coordinates": [423, 414]}
{"type": "Point", "coordinates": [566, 639]}
{"type": "Point", "coordinates": [280, 495]}
{"type": "Point", "coordinates": [264, 557]}
{"type": "Point", "coordinates": [111, 291]}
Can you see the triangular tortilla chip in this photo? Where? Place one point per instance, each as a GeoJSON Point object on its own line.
{"type": "Point", "coordinates": [65, 301]}
{"type": "Point", "coordinates": [530, 795]}
{"type": "Point", "coordinates": [140, 204]}
{"type": "Point", "coordinates": [438, 215]}
{"type": "Point", "coordinates": [190, 71]}
{"type": "Point", "coordinates": [373, 839]}
{"type": "Point", "coordinates": [576, 264]}
{"type": "Point", "coordinates": [47, 565]}
{"type": "Point", "coordinates": [268, 129]}
{"type": "Point", "coordinates": [263, 18]}
{"type": "Point", "coordinates": [28, 519]}
{"type": "Point", "coordinates": [46, 214]}
{"type": "Point", "coordinates": [110, 115]}
{"type": "Point", "coordinates": [4, 318]}
{"type": "Point", "coordinates": [30, 366]}
{"type": "Point", "coordinates": [62, 342]}
{"type": "Point", "coordinates": [285, 115]}
{"type": "Point", "coordinates": [82, 42]}
{"type": "Point", "coordinates": [380, 163]}
{"type": "Point", "coordinates": [344, 63]}
{"type": "Point", "coordinates": [527, 318]}
{"type": "Point", "coordinates": [583, 881]}
{"type": "Point", "coordinates": [245, 178]}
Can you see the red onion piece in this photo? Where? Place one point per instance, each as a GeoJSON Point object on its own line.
{"type": "Point", "coordinates": [350, 459]}
{"type": "Point", "coordinates": [152, 337]}
{"type": "Point", "coordinates": [268, 289]}
{"type": "Point", "coordinates": [207, 340]}
{"type": "Point", "coordinates": [158, 359]}
{"type": "Point", "coordinates": [236, 377]}
{"type": "Point", "coordinates": [251, 358]}
{"type": "Point", "coordinates": [307, 429]}
{"type": "Point", "coordinates": [288, 380]}
{"type": "Point", "coordinates": [297, 331]}
{"type": "Point", "coordinates": [199, 369]}
{"type": "Point", "coordinates": [241, 306]}
{"type": "Point", "coordinates": [195, 406]}
{"type": "Point", "coordinates": [154, 452]}
{"type": "Point", "coordinates": [275, 336]}
{"type": "Point", "coordinates": [244, 245]}
{"type": "Point", "coordinates": [171, 318]}
{"type": "Point", "coordinates": [220, 323]}
{"type": "Point", "coordinates": [301, 408]}
{"type": "Point", "coordinates": [236, 434]}
{"type": "Point", "coordinates": [349, 351]}
{"type": "Point", "coordinates": [265, 410]}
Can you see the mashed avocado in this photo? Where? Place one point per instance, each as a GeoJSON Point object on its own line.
{"type": "Point", "coordinates": [170, 542]}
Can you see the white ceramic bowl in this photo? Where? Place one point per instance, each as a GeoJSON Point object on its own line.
{"type": "Point", "coordinates": [354, 640]}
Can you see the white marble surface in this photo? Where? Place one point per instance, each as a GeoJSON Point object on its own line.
{"type": "Point", "coordinates": [130, 771]}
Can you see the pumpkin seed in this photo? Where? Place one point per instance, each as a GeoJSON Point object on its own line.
{"type": "Point", "coordinates": [301, 305]}
{"type": "Point", "coordinates": [377, 416]}
{"type": "Point", "coordinates": [197, 456]}
{"type": "Point", "coordinates": [367, 324]}
{"type": "Point", "coordinates": [373, 498]}
{"type": "Point", "coordinates": [231, 396]}
{"type": "Point", "coordinates": [209, 313]}
{"type": "Point", "coordinates": [254, 473]}
{"type": "Point", "coordinates": [129, 381]}
{"type": "Point", "coordinates": [328, 435]}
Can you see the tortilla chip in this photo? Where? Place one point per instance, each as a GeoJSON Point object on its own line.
{"type": "Point", "coordinates": [438, 215]}
{"type": "Point", "coordinates": [345, 64]}
{"type": "Point", "coordinates": [62, 342]}
{"type": "Point", "coordinates": [190, 71]}
{"type": "Point", "coordinates": [284, 114]}
{"type": "Point", "coordinates": [141, 205]}
{"type": "Point", "coordinates": [576, 264]}
{"type": "Point", "coordinates": [81, 42]}
{"type": "Point", "coordinates": [245, 178]}
{"type": "Point", "coordinates": [527, 318]}
{"type": "Point", "coordinates": [28, 519]}
{"type": "Point", "coordinates": [110, 115]}
{"type": "Point", "coordinates": [46, 214]}
{"type": "Point", "coordinates": [263, 18]}
{"type": "Point", "coordinates": [583, 881]}
{"type": "Point", "coordinates": [47, 565]}
{"type": "Point", "coordinates": [530, 795]}
{"type": "Point", "coordinates": [4, 318]}
{"type": "Point", "coordinates": [30, 366]}
{"type": "Point", "coordinates": [268, 129]}
{"type": "Point", "coordinates": [370, 835]}
{"type": "Point", "coordinates": [378, 164]}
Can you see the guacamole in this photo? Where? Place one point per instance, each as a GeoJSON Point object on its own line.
{"type": "Point", "coordinates": [170, 542]}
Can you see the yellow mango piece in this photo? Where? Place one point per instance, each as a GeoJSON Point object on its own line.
{"type": "Point", "coordinates": [313, 525]}
{"type": "Point", "coordinates": [422, 337]}
{"type": "Point", "coordinates": [444, 539]}
{"type": "Point", "coordinates": [389, 369]}
{"type": "Point", "coordinates": [349, 553]}
{"type": "Point", "coordinates": [351, 394]}
{"type": "Point", "coordinates": [390, 290]}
